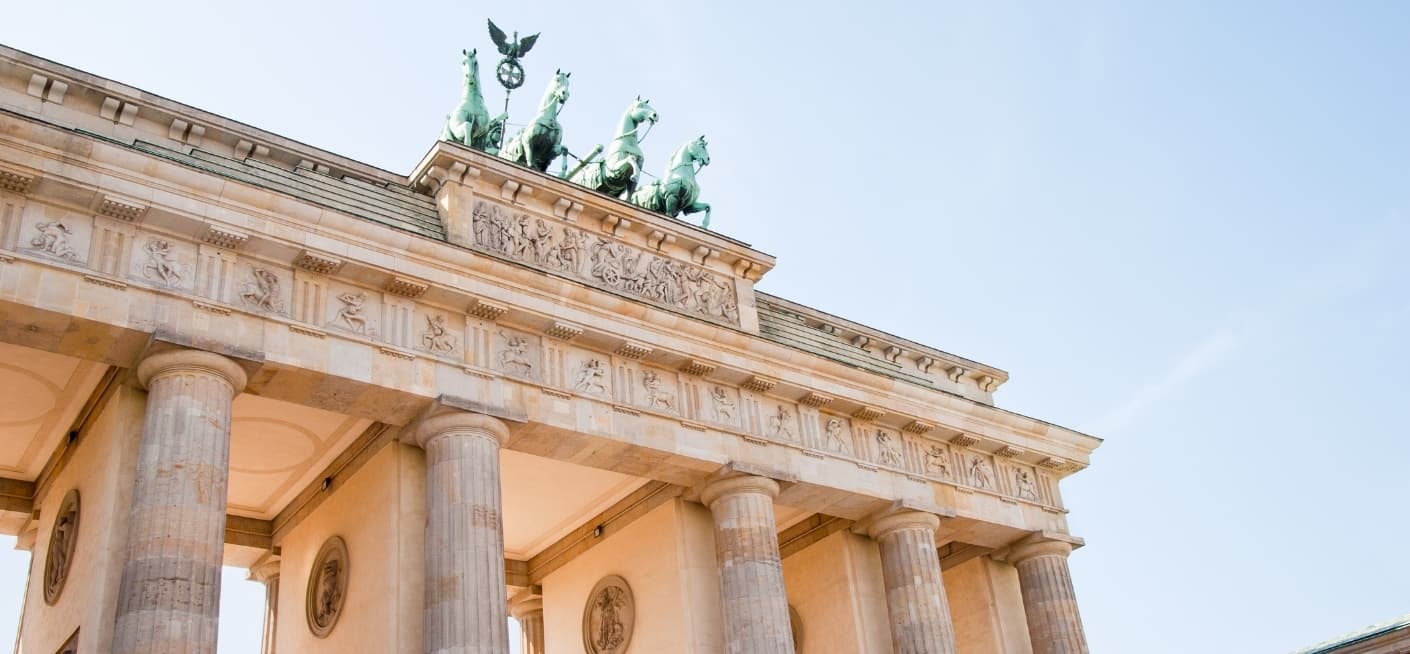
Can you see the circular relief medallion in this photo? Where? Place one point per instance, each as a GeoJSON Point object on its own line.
{"type": "Point", "coordinates": [327, 587]}
{"type": "Point", "coordinates": [609, 617]}
{"type": "Point", "coordinates": [62, 539]}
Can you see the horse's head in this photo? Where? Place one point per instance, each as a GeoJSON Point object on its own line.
{"type": "Point", "coordinates": [470, 65]}
{"type": "Point", "coordinates": [558, 88]}
{"type": "Point", "coordinates": [698, 151]}
{"type": "Point", "coordinates": [641, 110]}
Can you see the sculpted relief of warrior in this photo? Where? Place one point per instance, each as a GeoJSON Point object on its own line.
{"type": "Point", "coordinates": [781, 424]}
{"type": "Point", "coordinates": [1027, 489]}
{"type": "Point", "coordinates": [514, 357]}
{"type": "Point", "coordinates": [437, 337]}
{"type": "Point", "coordinates": [592, 377]}
{"type": "Point", "coordinates": [161, 265]}
{"type": "Point", "coordinates": [724, 406]}
{"type": "Point", "coordinates": [350, 317]}
{"type": "Point", "coordinates": [262, 291]}
{"type": "Point", "coordinates": [888, 452]}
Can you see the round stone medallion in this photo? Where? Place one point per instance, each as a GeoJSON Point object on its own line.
{"type": "Point", "coordinates": [609, 617]}
{"type": "Point", "coordinates": [62, 539]}
{"type": "Point", "coordinates": [327, 587]}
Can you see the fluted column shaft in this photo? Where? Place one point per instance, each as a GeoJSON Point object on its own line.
{"type": "Point", "coordinates": [1054, 625]}
{"type": "Point", "coordinates": [529, 613]}
{"type": "Point", "coordinates": [465, 611]}
{"type": "Point", "coordinates": [915, 590]}
{"type": "Point", "coordinates": [753, 598]}
{"type": "Point", "coordinates": [169, 600]}
{"type": "Point", "coordinates": [266, 571]}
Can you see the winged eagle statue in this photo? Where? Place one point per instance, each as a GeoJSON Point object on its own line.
{"type": "Point", "coordinates": [514, 48]}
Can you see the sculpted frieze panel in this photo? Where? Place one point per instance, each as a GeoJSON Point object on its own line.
{"type": "Point", "coordinates": [889, 448]}
{"type": "Point", "coordinates": [438, 334]}
{"type": "Point", "coordinates": [353, 310]}
{"type": "Point", "coordinates": [517, 353]}
{"type": "Point", "coordinates": [165, 262]}
{"type": "Point", "coordinates": [263, 288]}
{"type": "Point", "coordinates": [659, 391]}
{"type": "Point", "coordinates": [781, 423]}
{"type": "Point", "coordinates": [55, 233]}
{"type": "Point", "coordinates": [590, 373]}
{"type": "Point", "coordinates": [604, 262]}
{"type": "Point", "coordinates": [723, 405]}
{"type": "Point", "coordinates": [980, 472]}
{"type": "Point", "coordinates": [837, 435]}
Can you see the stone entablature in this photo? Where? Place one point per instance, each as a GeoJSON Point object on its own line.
{"type": "Point", "coordinates": [407, 314]}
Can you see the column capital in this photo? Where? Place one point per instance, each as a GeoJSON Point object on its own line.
{"type": "Point", "coordinates": [893, 522]}
{"type": "Point", "coordinates": [266, 569]}
{"type": "Point", "coordinates": [185, 360]}
{"type": "Point", "coordinates": [1042, 543]}
{"type": "Point", "coordinates": [459, 422]}
{"type": "Point", "coordinates": [736, 484]}
{"type": "Point", "coordinates": [525, 606]}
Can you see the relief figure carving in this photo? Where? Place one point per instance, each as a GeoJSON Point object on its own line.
{"type": "Point", "coordinates": [437, 338]}
{"type": "Point", "coordinates": [161, 265]}
{"type": "Point", "coordinates": [515, 355]}
{"type": "Point", "coordinates": [63, 537]}
{"type": "Point", "coordinates": [53, 239]}
{"type": "Point", "coordinates": [657, 396]}
{"type": "Point", "coordinates": [609, 617]}
{"type": "Point", "coordinates": [834, 440]}
{"type": "Point", "coordinates": [351, 315]}
{"type": "Point", "coordinates": [592, 377]}
{"type": "Point", "coordinates": [981, 472]}
{"type": "Point", "coordinates": [887, 452]}
{"type": "Point", "coordinates": [937, 460]}
{"type": "Point", "coordinates": [781, 424]}
{"type": "Point", "coordinates": [608, 263]}
{"type": "Point", "coordinates": [327, 587]}
{"type": "Point", "coordinates": [1023, 481]}
{"type": "Point", "coordinates": [724, 406]}
{"type": "Point", "coordinates": [262, 291]}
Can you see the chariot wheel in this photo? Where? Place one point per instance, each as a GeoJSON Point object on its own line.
{"type": "Point", "coordinates": [510, 73]}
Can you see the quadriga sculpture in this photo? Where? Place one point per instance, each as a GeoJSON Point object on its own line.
{"type": "Point", "coordinates": [677, 191]}
{"type": "Point", "coordinates": [616, 173]}
{"type": "Point", "coordinates": [539, 143]}
{"type": "Point", "coordinates": [470, 124]}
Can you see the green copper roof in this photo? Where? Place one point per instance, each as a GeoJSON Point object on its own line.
{"type": "Point", "coordinates": [1373, 631]}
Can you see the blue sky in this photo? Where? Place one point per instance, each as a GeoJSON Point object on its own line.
{"type": "Point", "coordinates": [1184, 228]}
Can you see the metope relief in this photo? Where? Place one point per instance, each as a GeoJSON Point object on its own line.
{"type": "Point", "coordinates": [516, 354]}
{"type": "Point", "coordinates": [327, 587]}
{"type": "Point", "coordinates": [591, 376]}
{"type": "Point", "coordinates": [724, 405]}
{"type": "Point", "coordinates": [889, 449]}
{"type": "Point", "coordinates": [605, 263]}
{"type": "Point", "coordinates": [1024, 487]}
{"type": "Point", "coordinates": [55, 238]}
{"type": "Point", "coordinates": [981, 472]}
{"type": "Point", "coordinates": [353, 310]}
{"type": "Point", "coordinates": [261, 289]}
{"type": "Point", "coordinates": [837, 435]}
{"type": "Point", "coordinates": [782, 424]}
{"type": "Point", "coordinates": [436, 335]}
{"type": "Point", "coordinates": [159, 263]}
{"type": "Point", "coordinates": [63, 538]}
{"type": "Point", "coordinates": [609, 617]}
{"type": "Point", "coordinates": [658, 393]}
{"type": "Point", "coordinates": [937, 461]}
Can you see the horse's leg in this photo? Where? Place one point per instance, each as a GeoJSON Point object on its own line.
{"type": "Point", "coordinates": [697, 207]}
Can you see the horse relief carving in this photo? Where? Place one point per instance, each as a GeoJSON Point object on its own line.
{"type": "Point", "coordinates": [53, 239]}
{"type": "Point", "coordinates": [514, 358]}
{"type": "Point", "coordinates": [161, 265]}
{"type": "Point", "coordinates": [937, 461]}
{"type": "Point", "coordinates": [657, 395]}
{"type": "Point", "coordinates": [605, 263]}
{"type": "Point", "coordinates": [261, 291]}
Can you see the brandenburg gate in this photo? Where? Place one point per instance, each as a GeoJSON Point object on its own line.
{"type": "Point", "coordinates": [417, 406]}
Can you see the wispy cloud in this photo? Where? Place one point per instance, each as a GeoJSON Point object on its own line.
{"type": "Point", "coordinates": [1207, 355]}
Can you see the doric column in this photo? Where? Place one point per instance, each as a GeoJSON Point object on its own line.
{"type": "Point", "coordinates": [465, 609]}
{"type": "Point", "coordinates": [1054, 625]}
{"type": "Point", "coordinates": [529, 612]}
{"type": "Point", "coordinates": [169, 600]}
{"type": "Point", "coordinates": [915, 590]}
{"type": "Point", "coordinates": [752, 594]}
{"type": "Point", "coordinates": [266, 571]}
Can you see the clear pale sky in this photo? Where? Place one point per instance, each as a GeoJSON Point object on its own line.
{"type": "Point", "coordinates": [1182, 228]}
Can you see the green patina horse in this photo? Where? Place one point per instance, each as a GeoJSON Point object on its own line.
{"type": "Point", "coordinates": [677, 191]}
{"type": "Point", "coordinates": [617, 172]}
{"type": "Point", "coordinates": [537, 145]}
{"type": "Point", "coordinates": [470, 124]}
